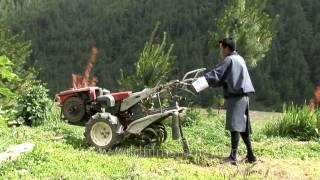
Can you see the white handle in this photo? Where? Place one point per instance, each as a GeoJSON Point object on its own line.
{"type": "Point", "coordinates": [200, 84]}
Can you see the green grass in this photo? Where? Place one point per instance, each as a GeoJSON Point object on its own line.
{"type": "Point", "coordinates": [71, 158]}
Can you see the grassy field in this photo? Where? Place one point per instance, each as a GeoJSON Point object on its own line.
{"type": "Point", "coordinates": [61, 153]}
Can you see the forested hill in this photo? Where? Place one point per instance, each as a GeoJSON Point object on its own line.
{"type": "Point", "coordinates": [63, 32]}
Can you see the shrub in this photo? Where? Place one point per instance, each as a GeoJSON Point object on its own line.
{"type": "Point", "coordinates": [6, 75]}
{"type": "Point", "coordinates": [53, 116]}
{"type": "Point", "coordinates": [210, 112]}
{"type": "Point", "coordinates": [191, 117]}
{"type": "Point", "coordinates": [32, 104]}
{"type": "Point", "coordinates": [2, 119]}
{"type": "Point", "coordinates": [296, 122]}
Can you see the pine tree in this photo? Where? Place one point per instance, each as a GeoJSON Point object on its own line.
{"type": "Point", "coordinates": [153, 67]}
{"type": "Point", "coordinates": [249, 25]}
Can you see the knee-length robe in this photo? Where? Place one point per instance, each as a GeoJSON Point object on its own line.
{"type": "Point", "coordinates": [232, 74]}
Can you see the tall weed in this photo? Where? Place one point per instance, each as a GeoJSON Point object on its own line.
{"type": "Point", "coordinates": [296, 122]}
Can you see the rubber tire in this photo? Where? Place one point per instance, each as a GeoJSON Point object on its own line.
{"type": "Point", "coordinates": [81, 115]}
{"type": "Point", "coordinates": [115, 139]}
{"type": "Point", "coordinates": [165, 133]}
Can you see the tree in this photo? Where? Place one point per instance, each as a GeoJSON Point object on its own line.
{"type": "Point", "coordinates": [14, 51]}
{"type": "Point", "coordinates": [286, 72]}
{"type": "Point", "coordinates": [63, 33]}
{"type": "Point", "coordinates": [253, 29]}
{"type": "Point", "coordinates": [153, 67]}
{"type": "Point", "coordinates": [6, 75]}
{"type": "Point", "coordinates": [15, 48]}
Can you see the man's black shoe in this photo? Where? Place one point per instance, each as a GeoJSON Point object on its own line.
{"type": "Point", "coordinates": [250, 159]}
{"type": "Point", "coordinates": [232, 159]}
{"type": "Point", "coordinates": [229, 160]}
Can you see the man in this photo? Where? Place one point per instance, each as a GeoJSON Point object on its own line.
{"type": "Point", "coordinates": [232, 74]}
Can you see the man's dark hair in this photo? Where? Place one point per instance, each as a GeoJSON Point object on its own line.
{"type": "Point", "coordinates": [228, 42]}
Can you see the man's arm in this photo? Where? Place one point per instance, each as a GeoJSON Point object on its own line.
{"type": "Point", "coordinates": [216, 76]}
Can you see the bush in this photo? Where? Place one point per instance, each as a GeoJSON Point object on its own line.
{"type": "Point", "coordinates": [53, 117]}
{"type": "Point", "coordinates": [2, 119]}
{"type": "Point", "coordinates": [191, 117]}
{"type": "Point", "coordinates": [32, 105]}
{"type": "Point", "coordinates": [296, 122]}
{"type": "Point", "coordinates": [211, 113]}
{"type": "Point", "coordinates": [6, 75]}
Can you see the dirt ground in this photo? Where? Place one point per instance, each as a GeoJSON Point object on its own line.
{"type": "Point", "coordinates": [270, 168]}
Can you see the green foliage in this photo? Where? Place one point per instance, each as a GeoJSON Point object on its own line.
{"type": "Point", "coordinates": [15, 48]}
{"type": "Point", "coordinates": [119, 29]}
{"type": "Point", "coordinates": [296, 122]}
{"type": "Point", "coordinates": [219, 102]}
{"type": "Point", "coordinates": [250, 25]}
{"type": "Point", "coordinates": [32, 105]}
{"type": "Point", "coordinates": [291, 65]}
{"type": "Point", "coordinates": [53, 115]}
{"type": "Point", "coordinates": [211, 113]}
{"type": "Point", "coordinates": [191, 117]}
{"type": "Point", "coordinates": [14, 51]}
{"type": "Point", "coordinates": [3, 123]}
{"type": "Point", "coordinates": [153, 67]}
{"type": "Point", "coordinates": [6, 75]}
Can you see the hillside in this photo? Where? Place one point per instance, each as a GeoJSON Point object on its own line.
{"type": "Point", "coordinates": [63, 33]}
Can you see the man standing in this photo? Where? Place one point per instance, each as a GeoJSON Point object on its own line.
{"type": "Point", "coordinates": [232, 74]}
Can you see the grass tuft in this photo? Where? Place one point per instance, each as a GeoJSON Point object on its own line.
{"type": "Point", "coordinates": [296, 122]}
